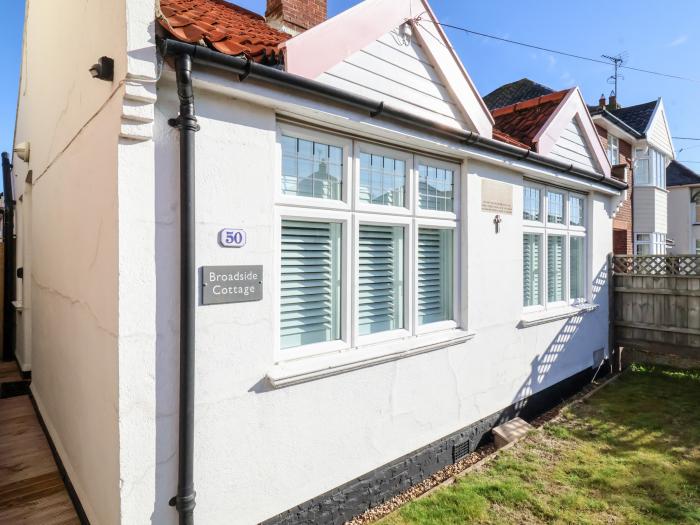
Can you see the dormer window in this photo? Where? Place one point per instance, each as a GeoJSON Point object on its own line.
{"type": "Point", "coordinates": [613, 150]}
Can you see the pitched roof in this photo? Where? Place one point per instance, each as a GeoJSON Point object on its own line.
{"type": "Point", "coordinates": [678, 174]}
{"type": "Point", "coordinates": [523, 89]}
{"type": "Point", "coordinates": [523, 120]}
{"type": "Point", "coordinates": [226, 27]}
{"type": "Point", "coordinates": [637, 117]}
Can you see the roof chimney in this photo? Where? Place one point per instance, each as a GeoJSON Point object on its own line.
{"type": "Point", "coordinates": [601, 101]}
{"type": "Point", "coordinates": [612, 102]}
{"type": "Point", "coordinates": [295, 16]}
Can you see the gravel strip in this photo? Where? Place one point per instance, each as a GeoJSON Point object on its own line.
{"type": "Point", "coordinates": [424, 486]}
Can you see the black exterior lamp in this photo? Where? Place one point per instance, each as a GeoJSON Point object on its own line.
{"type": "Point", "coordinates": [104, 69]}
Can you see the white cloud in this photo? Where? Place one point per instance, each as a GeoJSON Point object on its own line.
{"type": "Point", "coordinates": [680, 39]}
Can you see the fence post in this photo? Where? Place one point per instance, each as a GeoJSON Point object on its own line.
{"type": "Point", "coordinates": [614, 350]}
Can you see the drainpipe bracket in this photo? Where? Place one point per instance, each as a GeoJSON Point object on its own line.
{"type": "Point", "coordinates": [183, 503]}
{"type": "Point", "coordinates": [177, 122]}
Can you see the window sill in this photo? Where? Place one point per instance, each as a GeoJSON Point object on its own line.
{"type": "Point", "coordinates": [548, 316]}
{"type": "Point", "coordinates": [308, 369]}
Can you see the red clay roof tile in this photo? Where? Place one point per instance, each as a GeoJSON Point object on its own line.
{"type": "Point", "coordinates": [522, 121]}
{"type": "Point", "coordinates": [228, 28]}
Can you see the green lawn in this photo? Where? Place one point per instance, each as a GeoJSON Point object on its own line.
{"type": "Point", "coordinates": [628, 454]}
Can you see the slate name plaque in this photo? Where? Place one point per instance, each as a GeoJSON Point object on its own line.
{"type": "Point", "coordinates": [231, 284]}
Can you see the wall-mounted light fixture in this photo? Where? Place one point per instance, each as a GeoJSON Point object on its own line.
{"type": "Point", "coordinates": [22, 151]}
{"type": "Point", "coordinates": [104, 69]}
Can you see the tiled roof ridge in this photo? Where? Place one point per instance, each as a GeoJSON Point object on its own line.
{"type": "Point", "coordinates": [223, 26]}
{"type": "Point", "coordinates": [530, 103]}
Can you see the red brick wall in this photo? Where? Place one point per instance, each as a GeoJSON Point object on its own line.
{"type": "Point", "coordinates": [298, 14]}
{"type": "Point", "coordinates": [622, 245]}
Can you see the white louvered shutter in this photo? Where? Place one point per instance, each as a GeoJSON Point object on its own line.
{"type": "Point", "coordinates": [381, 281]}
{"type": "Point", "coordinates": [531, 269]}
{"type": "Point", "coordinates": [310, 309]}
{"type": "Point", "coordinates": [555, 268]}
{"type": "Point", "coordinates": [434, 275]}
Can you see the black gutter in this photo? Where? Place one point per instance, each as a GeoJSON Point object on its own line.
{"type": "Point", "coordinates": [248, 69]}
{"type": "Point", "coordinates": [186, 121]}
{"type": "Point", "coordinates": [10, 283]}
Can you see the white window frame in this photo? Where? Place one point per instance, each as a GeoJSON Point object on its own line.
{"type": "Point", "coordinates": [613, 149]}
{"type": "Point", "coordinates": [350, 212]}
{"type": "Point", "coordinates": [373, 149]}
{"type": "Point", "coordinates": [656, 241]}
{"type": "Point", "coordinates": [325, 138]}
{"type": "Point", "coordinates": [546, 229]}
{"type": "Point", "coordinates": [656, 163]}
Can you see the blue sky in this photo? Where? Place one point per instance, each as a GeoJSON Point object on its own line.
{"type": "Point", "coordinates": [661, 39]}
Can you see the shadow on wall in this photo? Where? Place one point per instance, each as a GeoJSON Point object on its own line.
{"type": "Point", "coordinates": [167, 266]}
{"type": "Point", "coordinates": [561, 360]}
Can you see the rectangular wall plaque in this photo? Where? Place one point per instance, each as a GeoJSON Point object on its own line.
{"type": "Point", "coordinates": [231, 284]}
{"type": "Point", "coordinates": [496, 197]}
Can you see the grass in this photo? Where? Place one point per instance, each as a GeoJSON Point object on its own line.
{"type": "Point", "coordinates": [628, 454]}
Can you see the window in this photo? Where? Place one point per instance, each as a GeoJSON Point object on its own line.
{"type": "Point", "coordinates": [310, 309]}
{"type": "Point", "coordinates": [696, 208]}
{"type": "Point", "coordinates": [650, 244]}
{"type": "Point", "coordinates": [555, 268]}
{"type": "Point", "coordinates": [382, 180]}
{"type": "Point", "coordinates": [532, 250]}
{"type": "Point", "coordinates": [381, 278]}
{"type": "Point", "coordinates": [576, 269]}
{"type": "Point", "coordinates": [434, 275]}
{"type": "Point", "coordinates": [575, 210]}
{"type": "Point", "coordinates": [649, 168]}
{"type": "Point", "coordinates": [697, 246]}
{"type": "Point", "coordinates": [369, 244]}
{"type": "Point", "coordinates": [554, 263]}
{"type": "Point", "coordinates": [613, 150]}
{"type": "Point", "coordinates": [311, 169]}
{"type": "Point", "coordinates": [435, 188]}
{"type": "Point", "coordinates": [531, 204]}
{"type": "Point", "coordinates": [555, 207]}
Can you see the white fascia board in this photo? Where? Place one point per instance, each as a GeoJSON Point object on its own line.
{"type": "Point", "coordinates": [306, 109]}
{"type": "Point", "coordinates": [619, 132]}
{"type": "Point", "coordinates": [660, 112]}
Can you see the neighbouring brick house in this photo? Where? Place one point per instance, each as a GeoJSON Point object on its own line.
{"type": "Point", "coordinates": [631, 136]}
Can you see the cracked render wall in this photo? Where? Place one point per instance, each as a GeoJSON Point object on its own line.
{"type": "Point", "coordinates": [259, 450]}
{"type": "Point", "coordinates": [67, 237]}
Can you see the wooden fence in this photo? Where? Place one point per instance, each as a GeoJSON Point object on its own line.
{"type": "Point", "coordinates": [656, 304]}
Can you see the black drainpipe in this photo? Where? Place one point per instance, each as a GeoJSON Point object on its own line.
{"type": "Point", "coordinates": [8, 237]}
{"type": "Point", "coordinates": [186, 122]}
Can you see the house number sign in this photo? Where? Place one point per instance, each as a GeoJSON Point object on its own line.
{"type": "Point", "coordinates": [232, 238]}
{"type": "Point", "coordinates": [231, 284]}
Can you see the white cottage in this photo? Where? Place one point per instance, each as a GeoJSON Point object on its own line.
{"type": "Point", "coordinates": [296, 274]}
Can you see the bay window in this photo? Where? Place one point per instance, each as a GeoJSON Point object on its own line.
{"type": "Point", "coordinates": [554, 260]}
{"type": "Point", "coordinates": [650, 243]}
{"type": "Point", "coordinates": [649, 168]}
{"type": "Point", "coordinates": [369, 243]}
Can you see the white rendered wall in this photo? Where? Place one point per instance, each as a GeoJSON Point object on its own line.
{"type": "Point", "coordinates": [259, 450]}
{"type": "Point", "coordinates": [70, 328]}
